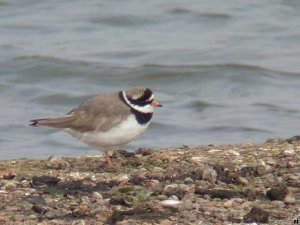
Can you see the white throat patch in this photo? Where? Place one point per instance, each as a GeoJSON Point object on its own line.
{"type": "Point", "coordinates": [143, 109]}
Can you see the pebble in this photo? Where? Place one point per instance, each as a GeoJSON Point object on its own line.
{"type": "Point", "coordinates": [138, 156]}
{"type": "Point", "coordinates": [289, 152]}
{"type": "Point", "coordinates": [277, 193]}
{"type": "Point", "coordinates": [228, 204]}
{"type": "Point", "coordinates": [188, 180]}
{"type": "Point", "coordinates": [50, 215]}
{"type": "Point", "coordinates": [166, 222]}
{"type": "Point", "coordinates": [151, 183]}
{"type": "Point", "coordinates": [162, 197]}
{"type": "Point", "coordinates": [245, 204]}
{"type": "Point", "coordinates": [289, 199]}
{"type": "Point", "coordinates": [81, 210]}
{"type": "Point", "coordinates": [171, 203]}
{"type": "Point", "coordinates": [257, 215]}
{"type": "Point", "coordinates": [210, 175]}
{"type": "Point", "coordinates": [4, 219]}
{"type": "Point", "coordinates": [176, 189]}
{"type": "Point", "coordinates": [7, 175]}
{"type": "Point", "coordinates": [233, 152]}
{"type": "Point", "coordinates": [263, 168]}
{"type": "Point", "coordinates": [97, 196]}
{"type": "Point", "coordinates": [123, 222]}
{"type": "Point", "coordinates": [122, 178]}
{"type": "Point", "coordinates": [242, 181]}
{"type": "Point", "coordinates": [57, 163]}
{"type": "Point", "coordinates": [11, 187]}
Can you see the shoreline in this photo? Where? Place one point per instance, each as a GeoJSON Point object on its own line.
{"type": "Point", "coordinates": [212, 184]}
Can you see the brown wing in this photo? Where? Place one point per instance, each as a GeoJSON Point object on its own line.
{"type": "Point", "coordinates": [99, 113]}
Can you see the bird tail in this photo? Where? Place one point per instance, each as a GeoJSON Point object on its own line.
{"type": "Point", "coordinates": [59, 122]}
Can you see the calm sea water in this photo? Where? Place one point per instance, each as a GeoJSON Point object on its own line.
{"type": "Point", "coordinates": [226, 71]}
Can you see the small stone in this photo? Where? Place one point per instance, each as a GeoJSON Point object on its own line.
{"type": "Point", "coordinates": [151, 183]}
{"type": "Point", "coordinates": [174, 197]}
{"type": "Point", "coordinates": [51, 215]}
{"type": "Point", "coordinates": [242, 181]}
{"type": "Point", "coordinates": [4, 220]}
{"type": "Point", "coordinates": [233, 152]}
{"type": "Point", "coordinates": [277, 193]}
{"type": "Point", "coordinates": [291, 164]}
{"type": "Point", "coordinates": [289, 199]}
{"type": "Point", "coordinates": [162, 197]}
{"type": "Point", "coordinates": [128, 200]}
{"type": "Point", "coordinates": [245, 204]}
{"type": "Point", "coordinates": [22, 177]}
{"type": "Point", "coordinates": [263, 168]}
{"type": "Point", "coordinates": [10, 187]}
{"type": "Point", "coordinates": [145, 151]}
{"type": "Point", "coordinates": [123, 222]}
{"type": "Point", "coordinates": [214, 150]}
{"type": "Point", "coordinates": [37, 200]}
{"type": "Point", "coordinates": [39, 209]}
{"type": "Point", "coordinates": [257, 215]}
{"type": "Point", "coordinates": [97, 196]}
{"type": "Point", "coordinates": [278, 204]}
{"type": "Point", "coordinates": [7, 175]}
{"type": "Point", "coordinates": [289, 152]}
{"type": "Point", "coordinates": [31, 217]}
{"type": "Point", "coordinates": [81, 210]}
{"type": "Point", "coordinates": [210, 175]}
{"type": "Point", "coordinates": [271, 161]}
{"type": "Point", "coordinates": [138, 156]}
{"type": "Point", "coordinates": [188, 180]}
{"type": "Point", "coordinates": [170, 203]}
{"type": "Point", "coordinates": [166, 222]}
{"type": "Point", "coordinates": [57, 163]}
{"type": "Point", "coordinates": [122, 178]}
{"type": "Point", "coordinates": [228, 204]}
{"type": "Point", "coordinates": [42, 180]}
{"type": "Point", "coordinates": [176, 189]}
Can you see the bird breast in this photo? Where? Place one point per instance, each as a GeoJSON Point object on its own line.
{"type": "Point", "coordinates": [116, 136]}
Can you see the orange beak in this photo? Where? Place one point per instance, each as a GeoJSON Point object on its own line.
{"type": "Point", "coordinates": [156, 104]}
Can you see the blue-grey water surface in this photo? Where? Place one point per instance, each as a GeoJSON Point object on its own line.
{"type": "Point", "coordinates": [225, 71]}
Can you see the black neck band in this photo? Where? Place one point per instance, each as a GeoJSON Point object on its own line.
{"type": "Point", "coordinates": [141, 118]}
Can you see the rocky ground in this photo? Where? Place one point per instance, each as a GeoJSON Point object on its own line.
{"type": "Point", "coordinates": [214, 184]}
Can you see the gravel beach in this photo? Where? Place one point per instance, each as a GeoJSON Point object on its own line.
{"type": "Point", "coordinates": [213, 184]}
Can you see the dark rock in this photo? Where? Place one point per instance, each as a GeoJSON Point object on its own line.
{"type": "Point", "coordinates": [248, 171]}
{"type": "Point", "coordinates": [42, 180]}
{"type": "Point", "coordinates": [37, 200]}
{"type": "Point", "coordinates": [39, 209]}
{"type": "Point", "coordinates": [176, 189]}
{"type": "Point", "coordinates": [293, 139]}
{"type": "Point", "coordinates": [117, 154]}
{"type": "Point", "coordinates": [277, 193]}
{"type": "Point", "coordinates": [117, 200]}
{"type": "Point", "coordinates": [137, 178]}
{"type": "Point", "coordinates": [256, 215]}
{"type": "Point", "coordinates": [219, 193]}
{"type": "Point", "coordinates": [7, 175]}
{"type": "Point", "coordinates": [145, 151]}
{"type": "Point", "coordinates": [196, 174]}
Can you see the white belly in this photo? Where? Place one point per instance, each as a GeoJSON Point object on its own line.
{"type": "Point", "coordinates": [119, 135]}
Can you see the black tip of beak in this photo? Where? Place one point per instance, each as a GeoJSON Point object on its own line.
{"type": "Point", "coordinates": [160, 105]}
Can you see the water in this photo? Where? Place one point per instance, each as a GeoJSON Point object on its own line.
{"type": "Point", "coordinates": [225, 72]}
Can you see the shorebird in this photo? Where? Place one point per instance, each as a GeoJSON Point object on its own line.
{"type": "Point", "coordinates": [108, 121]}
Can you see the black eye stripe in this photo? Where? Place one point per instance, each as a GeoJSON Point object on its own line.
{"type": "Point", "coordinates": [147, 95]}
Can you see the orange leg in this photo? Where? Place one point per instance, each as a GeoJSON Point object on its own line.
{"type": "Point", "coordinates": [108, 160]}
